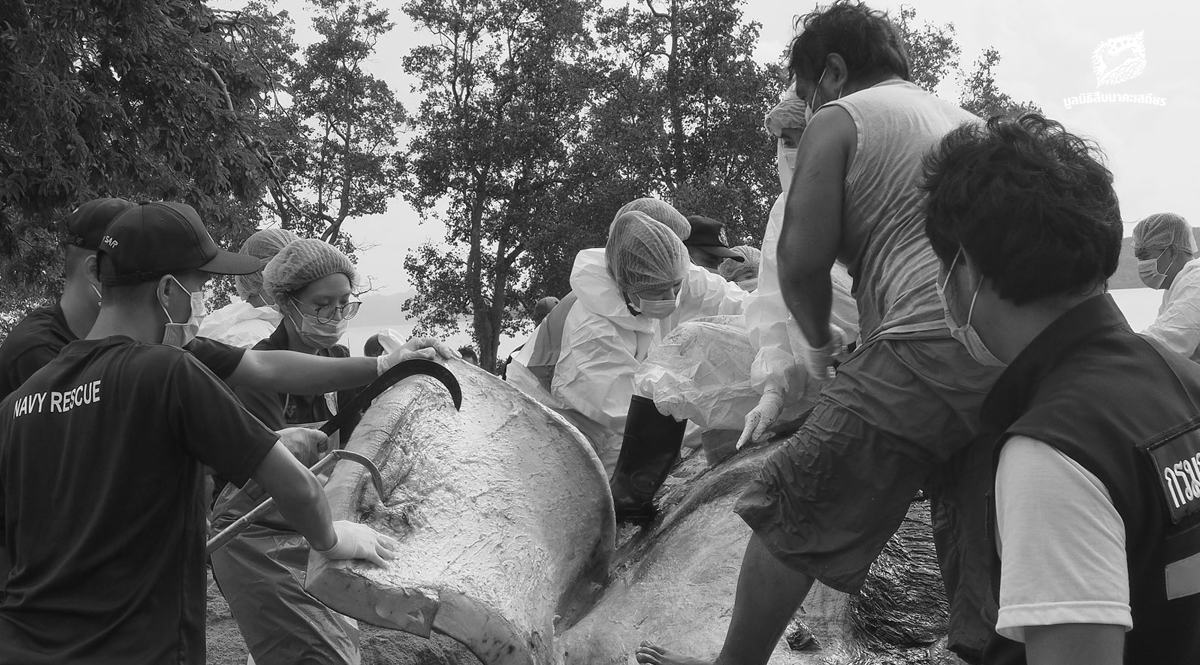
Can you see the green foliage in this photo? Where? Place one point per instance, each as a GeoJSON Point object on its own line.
{"type": "Point", "coordinates": [542, 117]}
{"type": "Point", "coordinates": [682, 110]}
{"type": "Point", "coordinates": [505, 86]}
{"type": "Point", "coordinates": [981, 96]}
{"type": "Point", "coordinates": [934, 56]}
{"type": "Point", "coordinates": [347, 163]}
{"type": "Point", "coordinates": [145, 99]}
{"type": "Point", "coordinates": [932, 52]}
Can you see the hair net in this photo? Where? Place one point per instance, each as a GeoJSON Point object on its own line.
{"type": "Point", "coordinates": [1162, 230]}
{"type": "Point", "coordinates": [264, 244]}
{"type": "Point", "coordinates": [661, 212]}
{"type": "Point", "coordinates": [787, 114]}
{"type": "Point", "coordinates": [644, 254]}
{"type": "Point", "coordinates": [302, 262]}
{"type": "Point", "coordinates": [736, 271]}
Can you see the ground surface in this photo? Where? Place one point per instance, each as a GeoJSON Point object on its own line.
{"type": "Point", "coordinates": [380, 646]}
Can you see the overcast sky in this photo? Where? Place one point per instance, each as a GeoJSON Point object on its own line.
{"type": "Point", "coordinates": [1047, 49]}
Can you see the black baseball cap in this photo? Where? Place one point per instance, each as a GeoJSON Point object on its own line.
{"type": "Point", "coordinates": [86, 224]}
{"type": "Point", "coordinates": [152, 239]}
{"type": "Point", "coordinates": [706, 235]}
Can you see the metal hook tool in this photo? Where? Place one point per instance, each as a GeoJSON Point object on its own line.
{"type": "Point", "coordinates": [230, 532]}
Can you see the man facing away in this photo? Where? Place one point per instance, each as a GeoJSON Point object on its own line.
{"type": "Point", "coordinates": [102, 455]}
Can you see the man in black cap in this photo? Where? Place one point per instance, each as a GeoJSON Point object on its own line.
{"type": "Point", "coordinates": [101, 454]}
{"type": "Point", "coordinates": [38, 338]}
{"type": "Point", "coordinates": [706, 245]}
{"type": "Point", "coordinates": [45, 331]}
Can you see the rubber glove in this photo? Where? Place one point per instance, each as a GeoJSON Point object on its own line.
{"type": "Point", "coordinates": [359, 541]}
{"type": "Point", "coordinates": [819, 360]}
{"type": "Point", "coordinates": [306, 444]}
{"type": "Point", "coordinates": [426, 348]}
{"type": "Point", "coordinates": [762, 417]}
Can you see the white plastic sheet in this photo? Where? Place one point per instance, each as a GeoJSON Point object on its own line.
{"type": "Point", "coordinates": [701, 372]}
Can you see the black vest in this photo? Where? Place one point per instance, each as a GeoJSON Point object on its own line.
{"type": "Point", "coordinates": [1128, 411]}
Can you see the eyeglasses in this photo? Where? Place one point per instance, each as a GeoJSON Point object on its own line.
{"type": "Point", "coordinates": [329, 313]}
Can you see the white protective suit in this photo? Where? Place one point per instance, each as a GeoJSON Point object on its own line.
{"type": "Point", "coordinates": [240, 324]}
{"type": "Point", "coordinates": [1178, 322]}
{"type": "Point", "coordinates": [713, 372]}
{"type": "Point", "coordinates": [603, 345]}
{"type": "Point", "coordinates": [774, 334]}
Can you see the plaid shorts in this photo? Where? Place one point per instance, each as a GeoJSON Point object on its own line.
{"type": "Point", "coordinates": [829, 499]}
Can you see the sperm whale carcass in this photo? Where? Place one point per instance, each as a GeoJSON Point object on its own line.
{"type": "Point", "coordinates": [502, 511]}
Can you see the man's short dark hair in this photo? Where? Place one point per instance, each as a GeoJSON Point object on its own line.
{"type": "Point", "coordinates": [865, 38]}
{"type": "Point", "coordinates": [1031, 203]}
{"type": "Point", "coordinates": [468, 352]}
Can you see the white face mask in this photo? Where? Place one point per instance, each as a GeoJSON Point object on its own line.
{"type": "Point", "coordinates": [182, 334]}
{"type": "Point", "coordinates": [1149, 274]}
{"type": "Point", "coordinates": [317, 334]}
{"type": "Point", "coordinates": [656, 309]}
{"type": "Point", "coordinates": [965, 333]}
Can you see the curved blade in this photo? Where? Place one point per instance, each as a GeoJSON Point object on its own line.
{"type": "Point", "coordinates": [362, 401]}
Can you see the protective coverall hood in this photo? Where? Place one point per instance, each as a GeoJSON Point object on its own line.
{"type": "Point", "coordinates": [599, 293]}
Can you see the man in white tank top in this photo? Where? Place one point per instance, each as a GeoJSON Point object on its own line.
{"type": "Point", "coordinates": [903, 409]}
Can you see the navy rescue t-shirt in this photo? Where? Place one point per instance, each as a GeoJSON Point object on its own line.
{"type": "Point", "coordinates": [102, 502]}
{"type": "Point", "coordinates": [43, 333]}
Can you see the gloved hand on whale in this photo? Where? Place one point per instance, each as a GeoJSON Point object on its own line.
{"type": "Point", "coordinates": [359, 541]}
{"type": "Point", "coordinates": [397, 350]}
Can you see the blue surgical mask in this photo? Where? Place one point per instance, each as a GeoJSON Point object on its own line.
{"type": "Point", "coordinates": [1149, 274]}
{"type": "Point", "coordinates": [182, 334]}
{"type": "Point", "coordinates": [965, 333]}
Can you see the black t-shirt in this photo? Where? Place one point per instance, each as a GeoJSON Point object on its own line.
{"type": "Point", "coordinates": [41, 335]}
{"type": "Point", "coordinates": [31, 345]}
{"type": "Point", "coordinates": [102, 507]}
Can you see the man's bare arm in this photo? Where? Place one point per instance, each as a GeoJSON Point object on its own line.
{"type": "Point", "coordinates": [298, 495]}
{"type": "Point", "coordinates": [812, 221]}
{"type": "Point", "coordinates": [1075, 644]}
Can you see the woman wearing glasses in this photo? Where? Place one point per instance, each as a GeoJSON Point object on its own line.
{"type": "Point", "coordinates": [261, 573]}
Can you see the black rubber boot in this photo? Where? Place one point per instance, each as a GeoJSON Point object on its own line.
{"type": "Point", "coordinates": [648, 452]}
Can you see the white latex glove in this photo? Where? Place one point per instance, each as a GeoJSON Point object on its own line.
{"type": "Point", "coordinates": [359, 541]}
{"type": "Point", "coordinates": [426, 348]}
{"type": "Point", "coordinates": [762, 417]}
{"type": "Point", "coordinates": [306, 444]}
{"type": "Point", "coordinates": [819, 360]}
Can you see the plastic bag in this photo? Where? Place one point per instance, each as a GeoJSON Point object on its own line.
{"type": "Point", "coordinates": [701, 371]}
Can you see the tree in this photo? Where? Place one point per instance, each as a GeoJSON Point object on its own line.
{"type": "Point", "coordinates": [933, 53]}
{"type": "Point", "coordinates": [505, 88]}
{"type": "Point", "coordinates": [682, 108]}
{"type": "Point", "coordinates": [348, 164]}
{"type": "Point", "coordinates": [981, 96]}
{"type": "Point", "coordinates": [142, 99]}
